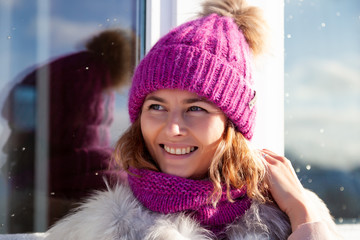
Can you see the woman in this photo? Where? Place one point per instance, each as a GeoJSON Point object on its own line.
{"type": "Point", "coordinates": [191, 171]}
{"type": "Point", "coordinates": [82, 89]}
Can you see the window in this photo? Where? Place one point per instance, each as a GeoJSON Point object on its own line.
{"type": "Point", "coordinates": [322, 100]}
{"type": "Point", "coordinates": [37, 110]}
{"type": "Point", "coordinates": [321, 93]}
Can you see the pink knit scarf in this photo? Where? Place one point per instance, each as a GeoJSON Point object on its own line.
{"type": "Point", "coordinates": [164, 193]}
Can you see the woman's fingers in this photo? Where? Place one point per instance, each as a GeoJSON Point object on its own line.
{"type": "Point", "coordinates": [281, 173]}
{"type": "Point", "coordinates": [274, 159]}
{"type": "Point", "coordinates": [286, 188]}
{"type": "Point", "coordinates": [273, 156]}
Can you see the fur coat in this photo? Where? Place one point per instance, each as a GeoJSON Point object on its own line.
{"type": "Point", "coordinates": [116, 215]}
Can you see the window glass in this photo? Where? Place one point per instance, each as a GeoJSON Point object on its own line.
{"type": "Point", "coordinates": [61, 105]}
{"type": "Point", "coordinates": [322, 100]}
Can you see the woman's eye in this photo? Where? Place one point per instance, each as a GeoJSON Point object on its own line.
{"type": "Point", "coordinates": [156, 107]}
{"type": "Point", "coordinates": [195, 109]}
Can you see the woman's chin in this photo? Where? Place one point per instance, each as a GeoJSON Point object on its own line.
{"type": "Point", "coordinates": [183, 173]}
{"type": "Point", "coordinates": [177, 173]}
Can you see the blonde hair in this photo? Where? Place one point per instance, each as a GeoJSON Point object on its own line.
{"type": "Point", "coordinates": [234, 164]}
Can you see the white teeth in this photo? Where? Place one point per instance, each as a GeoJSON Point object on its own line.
{"type": "Point", "coordinates": [179, 151]}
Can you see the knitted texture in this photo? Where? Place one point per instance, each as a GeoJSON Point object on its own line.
{"type": "Point", "coordinates": [163, 193]}
{"type": "Point", "coordinates": [208, 56]}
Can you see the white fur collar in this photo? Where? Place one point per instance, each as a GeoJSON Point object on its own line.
{"type": "Point", "coordinates": [116, 214]}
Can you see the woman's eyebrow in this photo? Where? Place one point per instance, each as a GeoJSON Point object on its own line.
{"type": "Point", "coordinates": [154, 98]}
{"type": "Point", "coordinates": [186, 101]}
{"type": "Point", "coordinates": [194, 100]}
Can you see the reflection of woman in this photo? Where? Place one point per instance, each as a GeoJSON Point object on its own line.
{"type": "Point", "coordinates": [192, 174]}
{"type": "Point", "coordinates": [81, 102]}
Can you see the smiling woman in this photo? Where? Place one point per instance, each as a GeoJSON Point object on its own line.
{"type": "Point", "coordinates": [187, 169]}
{"type": "Point", "coordinates": [191, 170]}
{"type": "Point", "coordinates": [181, 132]}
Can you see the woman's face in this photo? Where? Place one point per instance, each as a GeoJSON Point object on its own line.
{"type": "Point", "coordinates": [181, 131]}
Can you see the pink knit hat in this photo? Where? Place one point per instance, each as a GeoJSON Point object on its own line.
{"type": "Point", "coordinates": [209, 56]}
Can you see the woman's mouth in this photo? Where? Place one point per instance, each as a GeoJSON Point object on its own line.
{"type": "Point", "coordinates": [178, 151]}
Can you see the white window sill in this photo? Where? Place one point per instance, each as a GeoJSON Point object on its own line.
{"type": "Point", "coordinates": [27, 236]}
{"type": "Point", "coordinates": [348, 231]}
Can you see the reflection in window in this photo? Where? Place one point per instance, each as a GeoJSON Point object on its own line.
{"type": "Point", "coordinates": [322, 100]}
{"type": "Point", "coordinates": [59, 109]}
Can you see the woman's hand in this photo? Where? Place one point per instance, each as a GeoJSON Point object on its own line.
{"type": "Point", "coordinates": [287, 190]}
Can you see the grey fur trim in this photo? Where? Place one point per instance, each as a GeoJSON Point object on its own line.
{"type": "Point", "coordinates": [179, 227]}
{"type": "Point", "coordinates": [261, 221]}
{"type": "Point", "coordinates": [117, 215]}
{"type": "Point", "coordinates": [114, 214]}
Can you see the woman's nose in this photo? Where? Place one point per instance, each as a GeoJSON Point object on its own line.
{"type": "Point", "coordinates": [176, 125]}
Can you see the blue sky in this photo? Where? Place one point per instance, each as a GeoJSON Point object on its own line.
{"type": "Point", "coordinates": [322, 81]}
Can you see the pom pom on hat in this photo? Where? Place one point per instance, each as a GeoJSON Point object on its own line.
{"type": "Point", "coordinates": [248, 18]}
{"type": "Point", "coordinates": [210, 56]}
{"type": "Point", "coordinates": [114, 49]}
